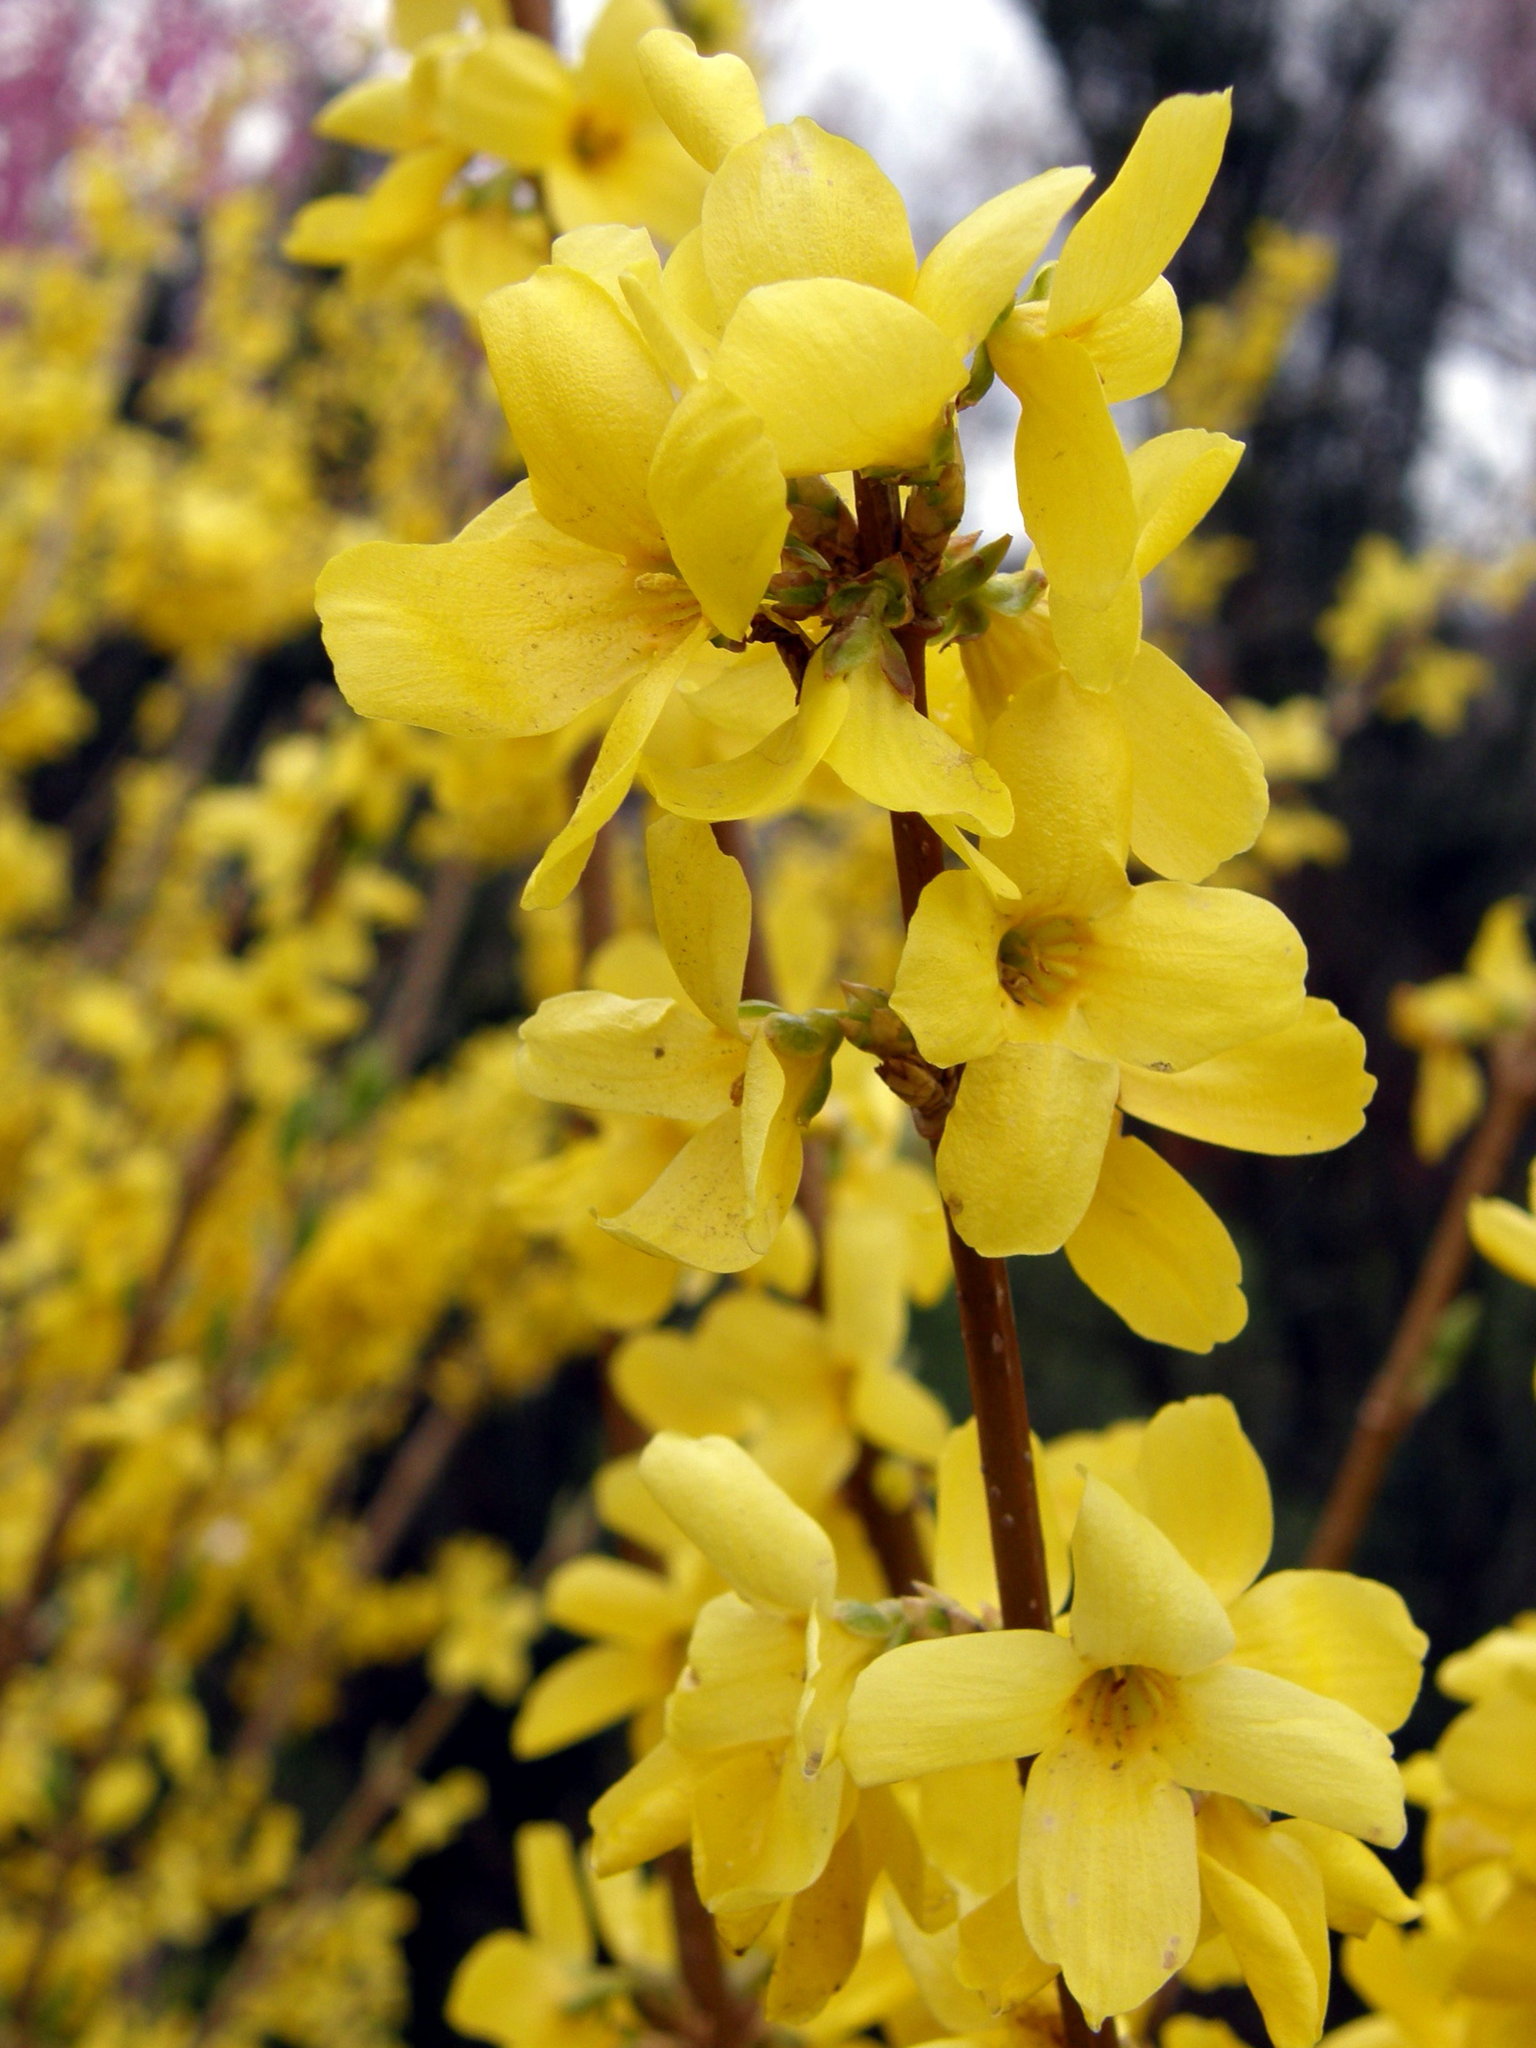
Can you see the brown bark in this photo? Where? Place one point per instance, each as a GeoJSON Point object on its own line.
{"type": "Point", "coordinates": [1399, 1393]}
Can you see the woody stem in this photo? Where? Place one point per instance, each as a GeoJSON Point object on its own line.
{"type": "Point", "coordinates": [988, 1328]}
{"type": "Point", "coordinates": [1398, 1393]}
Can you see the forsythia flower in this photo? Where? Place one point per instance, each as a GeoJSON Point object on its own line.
{"type": "Point", "coordinates": [747, 1075]}
{"type": "Point", "coordinates": [1443, 1019]}
{"type": "Point", "coordinates": [1047, 993]}
{"type": "Point", "coordinates": [1177, 1676]}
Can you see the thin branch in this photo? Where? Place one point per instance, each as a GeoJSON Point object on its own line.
{"type": "Point", "coordinates": [1399, 1393]}
{"type": "Point", "coordinates": [412, 1009]}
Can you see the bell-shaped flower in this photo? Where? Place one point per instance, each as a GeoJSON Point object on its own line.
{"type": "Point", "coordinates": [770, 1375]}
{"type": "Point", "coordinates": [747, 1077]}
{"type": "Point", "coordinates": [646, 523]}
{"type": "Point", "coordinates": [589, 131]}
{"type": "Point", "coordinates": [1107, 329]}
{"type": "Point", "coordinates": [1180, 1674]}
{"type": "Point", "coordinates": [1443, 1020]}
{"type": "Point", "coordinates": [637, 1618]}
{"type": "Point", "coordinates": [542, 1986]}
{"type": "Point", "coordinates": [1198, 791]}
{"type": "Point", "coordinates": [1046, 995]}
{"type": "Point", "coordinates": [803, 283]}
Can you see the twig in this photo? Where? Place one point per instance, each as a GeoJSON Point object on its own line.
{"type": "Point", "coordinates": [988, 1328]}
{"type": "Point", "coordinates": [1398, 1394]}
{"type": "Point", "coordinates": [381, 1789]}
{"type": "Point", "coordinates": [727, 2019]}
{"type": "Point", "coordinates": [412, 1008]}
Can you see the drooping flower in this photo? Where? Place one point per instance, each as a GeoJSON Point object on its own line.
{"type": "Point", "coordinates": [1180, 1673]}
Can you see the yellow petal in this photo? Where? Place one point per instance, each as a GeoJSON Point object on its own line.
{"type": "Point", "coordinates": [1263, 1739]}
{"type": "Point", "coordinates": [960, 1700]}
{"type": "Point", "coordinates": [1358, 1888]}
{"type": "Point", "coordinates": [507, 94]}
{"type": "Point", "coordinates": [1107, 1873]}
{"type": "Point", "coordinates": [822, 1936]}
{"type": "Point", "coordinates": [888, 753]}
{"type": "Point", "coordinates": [947, 991]}
{"type": "Point", "coordinates": [969, 1821]}
{"type": "Point", "coordinates": [842, 375]}
{"type": "Point", "coordinates": [610, 779]}
{"type": "Point", "coordinates": [1157, 1253]}
{"type": "Point", "coordinates": [377, 113]}
{"type": "Point", "coordinates": [650, 1058]}
{"type": "Point", "coordinates": [993, 1956]}
{"type": "Point", "coordinates": [486, 248]}
{"type": "Point", "coordinates": [1204, 1485]}
{"type": "Point", "coordinates": [695, 1211]}
{"type": "Point", "coordinates": [586, 403]}
{"type": "Point", "coordinates": [769, 1550]}
{"type": "Point", "coordinates": [1135, 346]}
{"type": "Point", "coordinates": [609, 255]}
{"type": "Point", "coordinates": [550, 1891]}
{"type": "Point", "coordinates": [588, 1690]}
{"type": "Point", "coordinates": [610, 58]}
{"type": "Point", "coordinates": [968, 279]}
{"type": "Point", "coordinates": [710, 103]}
{"type": "Point", "coordinates": [1127, 237]}
{"type": "Point", "coordinates": [503, 1979]}
{"type": "Point", "coordinates": [608, 1597]}
{"type": "Point", "coordinates": [1447, 1099]}
{"type": "Point", "coordinates": [1063, 755]}
{"type": "Point", "coordinates": [1300, 1089]}
{"type": "Point", "coordinates": [649, 181]}
{"type": "Point", "coordinates": [646, 1813]}
{"type": "Point", "coordinates": [1198, 793]}
{"type": "Point", "coordinates": [716, 488]}
{"type": "Point", "coordinates": [963, 1565]}
{"type": "Point", "coordinates": [896, 1412]}
{"type": "Point", "coordinates": [766, 777]}
{"type": "Point", "coordinates": [1073, 478]}
{"type": "Point", "coordinates": [656, 1375]}
{"type": "Point", "coordinates": [514, 634]}
{"type": "Point", "coordinates": [747, 1676]}
{"type": "Point", "coordinates": [1135, 1599]}
{"type": "Point", "coordinates": [1177, 973]}
{"type": "Point", "coordinates": [1022, 1147]}
{"type": "Point", "coordinates": [1176, 478]}
{"type": "Point", "coordinates": [1273, 1918]}
{"type": "Point", "coordinates": [1505, 1235]}
{"type": "Point", "coordinates": [1099, 643]}
{"type": "Point", "coordinates": [762, 1831]}
{"type": "Point", "coordinates": [703, 911]}
{"type": "Point", "coordinates": [796, 202]}
{"type": "Point", "coordinates": [1350, 1638]}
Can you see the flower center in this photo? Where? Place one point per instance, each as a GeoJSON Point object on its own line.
{"type": "Point", "coordinates": [1039, 963]}
{"type": "Point", "coordinates": [1119, 1708]}
{"type": "Point", "coordinates": [595, 137]}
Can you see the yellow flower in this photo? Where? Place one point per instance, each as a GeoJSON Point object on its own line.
{"type": "Point", "coordinates": [543, 1988]}
{"type": "Point", "coordinates": [1047, 995]}
{"type": "Point", "coordinates": [747, 1076]}
{"type": "Point", "coordinates": [1178, 1675]}
{"type": "Point", "coordinates": [1442, 1019]}
{"type": "Point", "coordinates": [771, 1375]}
{"type": "Point", "coordinates": [590, 131]}
{"type": "Point", "coordinates": [1108, 328]}
{"type": "Point", "coordinates": [638, 1618]}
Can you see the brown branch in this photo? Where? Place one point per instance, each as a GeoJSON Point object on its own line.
{"type": "Point", "coordinates": [727, 2020]}
{"type": "Point", "coordinates": [413, 1004]}
{"type": "Point", "coordinates": [381, 1789]}
{"type": "Point", "coordinates": [535, 18]}
{"type": "Point", "coordinates": [1399, 1392]}
{"type": "Point", "coordinates": [892, 1532]}
{"type": "Point", "coordinates": [989, 1332]}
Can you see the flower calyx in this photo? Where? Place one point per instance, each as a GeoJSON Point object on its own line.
{"type": "Point", "coordinates": [872, 1025]}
